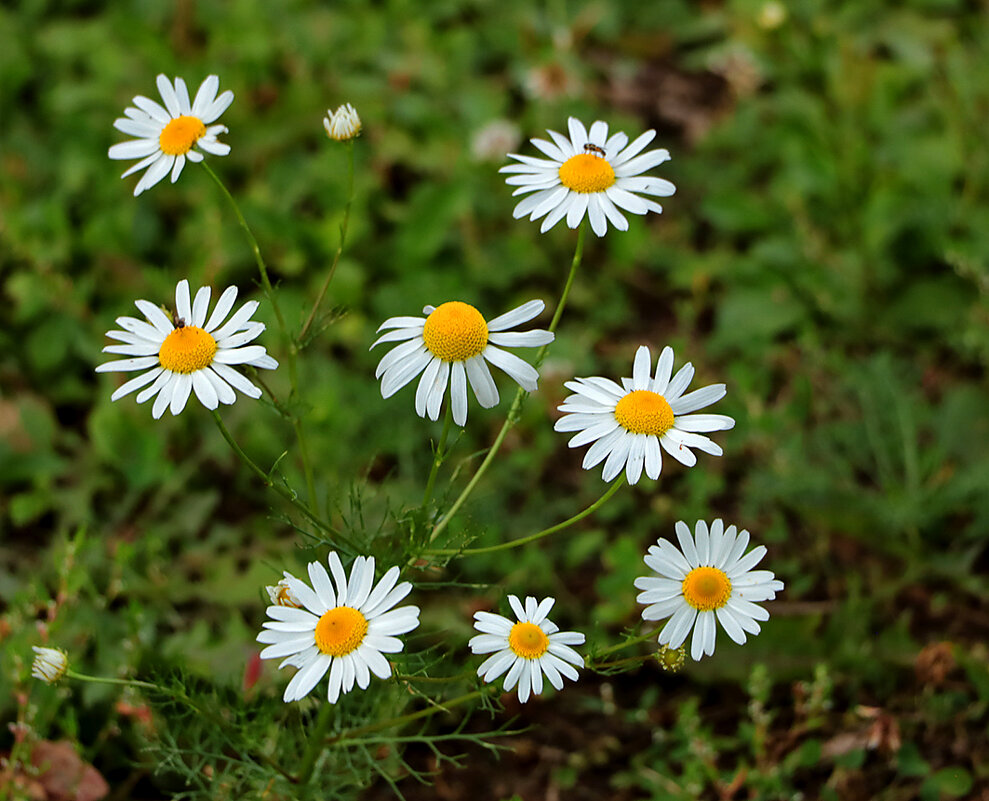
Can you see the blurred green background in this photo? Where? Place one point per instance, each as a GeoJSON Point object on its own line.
{"type": "Point", "coordinates": [825, 256]}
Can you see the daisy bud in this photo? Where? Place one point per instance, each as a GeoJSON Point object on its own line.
{"type": "Point", "coordinates": [49, 665]}
{"type": "Point", "coordinates": [343, 124]}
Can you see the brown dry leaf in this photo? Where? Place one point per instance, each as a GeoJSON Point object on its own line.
{"type": "Point", "coordinates": [65, 775]}
{"type": "Point", "coordinates": [934, 663]}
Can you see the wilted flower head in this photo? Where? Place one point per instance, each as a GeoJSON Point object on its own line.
{"type": "Point", "coordinates": [281, 594]}
{"type": "Point", "coordinates": [343, 124]}
{"type": "Point", "coordinates": [49, 665]}
{"type": "Point", "coordinates": [494, 140]}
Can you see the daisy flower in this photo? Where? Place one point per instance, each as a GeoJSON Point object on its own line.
{"type": "Point", "coordinates": [167, 135]}
{"type": "Point", "coordinates": [49, 664]}
{"type": "Point", "coordinates": [195, 354]}
{"type": "Point", "coordinates": [527, 649]}
{"type": "Point", "coordinates": [451, 345]}
{"type": "Point", "coordinates": [343, 124]}
{"type": "Point", "coordinates": [629, 423]}
{"type": "Point", "coordinates": [706, 578]}
{"type": "Point", "coordinates": [343, 630]}
{"type": "Point", "coordinates": [589, 173]}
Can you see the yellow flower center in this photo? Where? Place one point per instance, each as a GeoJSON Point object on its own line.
{"type": "Point", "coordinates": [340, 631]}
{"type": "Point", "coordinates": [528, 641]}
{"type": "Point", "coordinates": [706, 588]}
{"type": "Point", "coordinates": [455, 332]}
{"type": "Point", "coordinates": [187, 350]}
{"type": "Point", "coordinates": [644, 412]}
{"type": "Point", "coordinates": [586, 172]}
{"type": "Point", "coordinates": [178, 137]}
{"type": "Point", "coordinates": [284, 596]}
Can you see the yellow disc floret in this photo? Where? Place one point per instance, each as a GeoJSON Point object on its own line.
{"type": "Point", "coordinates": [187, 350]}
{"type": "Point", "coordinates": [455, 332]}
{"type": "Point", "coordinates": [586, 172]}
{"type": "Point", "coordinates": [644, 412]}
{"type": "Point", "coordinates": [178, 137]}
{"type": "Point", "coordinates": [706, 588]}
{"type": "Point", "coordinates": [528, 641]}
{"type": "Point", "coordinates": [340, 631]}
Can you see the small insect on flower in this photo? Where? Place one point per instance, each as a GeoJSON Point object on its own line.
{"type": "Point", "coordinates": [527, 649]}
{"type": "Point", "coordinates": [590, 174]}
{"type": "Point", "coordinates": [189, 352]}
{"type": "Point", "coordinates": [49, 664]}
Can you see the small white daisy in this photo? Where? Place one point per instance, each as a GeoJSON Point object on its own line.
{"type": "Point", "coordinates": [166, 136]}
{"type": "Point", "coordinates": [629, 423]}
{"type": "Point", "coordinates": [588, 173]}
{"type": "Point", "coordinates": [343, 124]}
{"type": "Point", "coordinates": [49, 664]}
{"type": "Point", "coordinates": [344, 631]}
{"type": "Point", "coordinates": [451, 345]}
{"type": "Point", "coordinates": [526, 649]}
{"type": "Point", "coordinates": [706, 578]}
{"type": "Point", "coordinates": [195, 354]}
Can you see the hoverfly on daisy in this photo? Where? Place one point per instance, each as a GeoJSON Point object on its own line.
{"type": "Point", "coordinates": [588, 174]}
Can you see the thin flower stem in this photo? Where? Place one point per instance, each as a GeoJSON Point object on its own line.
{"type": "Point", "coordinates": [403, 719]}
{"type": "Point", "coordinates": [629, 660]}
{"type": "Point", "coordinates": [283, 330]}
{"type": "Point", "coordinates": [178, 696]}
{"type": "Point", "coordinates": [253, 242]}
{"type": "Point", "coordinates": [438, 456]}
{"type": "Point", "coordinates": [343, 238]}
{"type": "Point", "coordinates": [632, 641]}
{"type": "Point", "coordinates": [316, 743]}
{"type": "Point", "coordinates": [615, 485]}
{"type": "Point", "coordinates": [520, 396]}
{"type": "Point", "coordinates": [286, 493]}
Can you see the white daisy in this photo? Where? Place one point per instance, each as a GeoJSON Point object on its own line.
{"type": "Point", "coordinates": [629, 423]}
{"type": "Point", "coordinates": [706, 577]}
{"type": "Point", "coordinates": [451, 345]}
{"type": "Point", "coordinates": [195, 354]}
{"type": "Point", "coordinates": [49, 664]}
{"type": "Point", "coordinates": [166, 136]}
{"type": "Point", "coordinates": [526, 649]}
{"type": "Point", "coordinates": [343, 124]}
{"type": "Point", "coordinates": [588, 173]}
{"type": "Point", "coordinates": [344, 631]}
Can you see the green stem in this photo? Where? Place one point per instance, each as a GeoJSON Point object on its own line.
{"type": "Point", "coordinates": [403, 719]}
{"type": "Point", "coordinates": [632, 641]}
{"type": "Point", "coordinates": [316, 743]}
{"type": "Point", "coordinates": [283, 330]}
{"type": "Point", "coordinates": [253, 242]}
{"type": "Point", "coordinates": [287, 494]}
{"type": "Point", "coordinates": [438, 455]}
{"type": "Point", "coordinates": [520, 395]}
{"type": "Point", "coordinates": [612, 489]}
{"type": "Point", "coordinates": [343, 239]}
